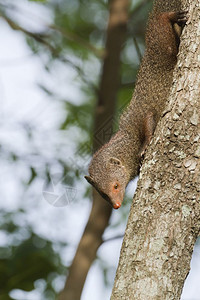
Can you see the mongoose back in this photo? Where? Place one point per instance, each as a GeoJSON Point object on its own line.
{"type": "Point", "coordinates": [117, 162]}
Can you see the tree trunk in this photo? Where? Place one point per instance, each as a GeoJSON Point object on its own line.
{"type": "Point", "coordinates": [104, 116]}
{"type": "Point", "coordinates": [164, 220]}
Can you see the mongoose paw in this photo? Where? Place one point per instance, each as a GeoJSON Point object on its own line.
{"type": "Point", "coordinates": [181, 17]}
{"type": "Point", "coordinates": [142, 155]}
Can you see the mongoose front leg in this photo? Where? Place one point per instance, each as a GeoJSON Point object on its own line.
{"type": "Point", "coordinates": [165, 37]}
{"type": "Point", "coordinates": [178, 20]}
{"type": "Point", "coordinates": [179, 17]}
{"type": "Point", "coordinates": [149, 127]}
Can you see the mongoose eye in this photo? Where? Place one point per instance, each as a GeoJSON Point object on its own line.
{"type": "Point", "coordinates": [116, 186]}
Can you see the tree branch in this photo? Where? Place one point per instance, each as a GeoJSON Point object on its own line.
{"type": "Point", "coordinates": [41, 38]}
{"type": "Point", "coordinates": [104, 115]}
{"type": "Point", "coordinates": [64, 32]}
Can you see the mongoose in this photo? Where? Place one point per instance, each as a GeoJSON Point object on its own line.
{"type": "Point", "coordinates": [118, 161]}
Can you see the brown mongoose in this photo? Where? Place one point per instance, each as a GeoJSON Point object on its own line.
{"type": "Point", "coordinates": [117, 162]}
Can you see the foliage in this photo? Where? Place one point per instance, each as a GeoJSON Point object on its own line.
{"type": "Point", "coordinates": [25, 258]}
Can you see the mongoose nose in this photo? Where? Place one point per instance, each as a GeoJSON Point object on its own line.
{"type": "Point", "coordinates": [117, 205]}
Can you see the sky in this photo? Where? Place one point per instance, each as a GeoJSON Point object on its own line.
{"type": "Point", "coordinates": [22, 101]}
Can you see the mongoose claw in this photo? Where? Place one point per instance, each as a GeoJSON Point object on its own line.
{"type": "Point", "coordinates": [142, 155]}
{"type": "Point", "coordinates": [181, 17]}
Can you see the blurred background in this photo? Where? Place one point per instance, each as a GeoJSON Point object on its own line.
{"type": "Point", "coordinates": [51, 58]}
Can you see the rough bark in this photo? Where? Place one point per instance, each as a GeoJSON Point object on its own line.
{"type": "Point", "coordinates": [104, 115]}
{"type": "Point", "coordinates": [164, 220]}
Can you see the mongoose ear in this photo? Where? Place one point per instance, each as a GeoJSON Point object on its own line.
{"type": "Point", "coordinates": [115, 161]}
{"type": "Point", "coordinates": [89, 179]}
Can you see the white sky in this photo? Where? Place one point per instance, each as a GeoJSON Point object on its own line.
{"type": "Point", "coordinates": [22, 101]}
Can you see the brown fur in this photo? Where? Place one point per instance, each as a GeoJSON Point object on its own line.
{"type": "Point", "coordinates": [117, 162]}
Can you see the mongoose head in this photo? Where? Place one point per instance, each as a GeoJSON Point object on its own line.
{"type": "Point", "coordinates": [109, 177]}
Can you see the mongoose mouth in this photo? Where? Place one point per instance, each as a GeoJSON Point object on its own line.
{"type": "Point", "coordinates": [115, 205]}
